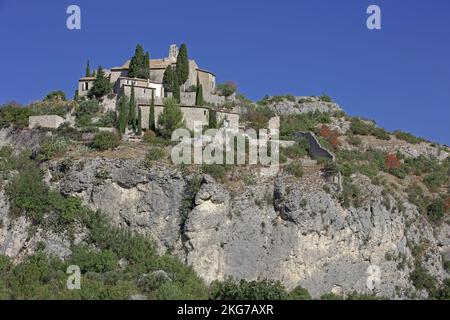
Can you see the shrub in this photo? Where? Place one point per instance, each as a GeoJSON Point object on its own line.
{"type": "Point", "coordinates": [354, 141]}
{"type": "Point", "coordinates": [421, 279]}
{"type": "Point", "coordinates": [381, 133]}
{"type": "Point", "coordinates": [53, 147]}
{"type": "Point", "coordinates": [55, 95]}
{"type": "Point", "coordinates": [435, 180]}
{"type": "Point", "coordinates": [360, 127]}
{"type": "Point", "coordinates": [299, 293]}
{"type": "Point", "coordinates": [289, 125]}
{"type": "Point", "coordinates": [407, 137]}
{"type": "Point", "coordinates": [247, 290]}
{"type": "Point", "coordinates": [170, 119]}
{"type": "Point", "coordinates": [299, 149]}
{"type": "Point", "coordinates": [14, 114]}
{"type": "Point", "coordinates": [109, 120]}
{"type": "Point", "coordinates": [436, 210]}
{"type": "Point", "coordinates": [331, 136]}
{"type": "Point", "coordinates": [294, 169]}
{"type": "Point", "coordinates": [105, 140]}
{"type": "Point", "coordinates": [154, 154]}
{"type": "Point", "coordinates": [325, 98]}
{"type": "Point", "coordinates": [226, 89]}
{"type": "Point", "coordinates": [217, 171]}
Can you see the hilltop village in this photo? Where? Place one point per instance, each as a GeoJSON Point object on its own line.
{"type": "Point", "coordinates": [91, 181]}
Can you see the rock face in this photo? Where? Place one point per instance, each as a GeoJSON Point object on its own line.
{"type": "Point", "coordinates": [283, 229]}
{"type": "Point", "coordinates": [299, 105]}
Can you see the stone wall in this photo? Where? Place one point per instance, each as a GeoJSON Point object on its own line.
{"type": "Point", "coordinates": [213, 98]}
{"type": "Point", "coordinates": [187, 99]}
{"type": "Point", "coordinates": [231, 118]}
{"type": "Point", "coordinates": [316, 150]}
{"type": "Point", "coordinates": [47, 121]}
{"type": "Point", "coordinates": [191, 115]}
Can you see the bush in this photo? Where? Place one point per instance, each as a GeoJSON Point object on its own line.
{"type": "Point", "coordinates": [217, 171]}
{"type": "Point", "coordinates": [105, 140]}
{"type": "Point", "coordinates": [170, 119]}
{"type": "Point", "coordinates": [408, 137]}
{"type": "Point", "coordinates": [325, 98]}
{"type": "Point", "coordinates": [55, 146]}
{"type": "Point", "coordinates": [154, 154]}
{"type": "Point", "coordinates": [298, 150]}
{"type": "Point", "coordinates": [289, 125]}
{"type": "Point", "coordinates": [299, 293]}
{"type": "Point", "coordinates": [14, 114]}
{"type": "Point", "coordinates": [421, 279]}
{"type": "Point", "coordinates": [354, 141]}
{"type": "Point", "coordinates": [436, 210]}
{"type": "Point", "coordinates": [109, 120]}
{"type": "Point", "coordinates": [247, 290]}
{"type": "Point", "coordinates": [55, 95]}
{"type": "Point", "coordinates": [294, 169]}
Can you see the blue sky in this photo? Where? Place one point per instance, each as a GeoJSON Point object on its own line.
{"type": "Point", "coordinates": [399, 76]}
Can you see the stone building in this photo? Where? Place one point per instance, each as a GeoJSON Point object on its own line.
{"type": "Point", "coordinates": [145, 89]}
{"type": "Point", "coordinates": [191, 115]}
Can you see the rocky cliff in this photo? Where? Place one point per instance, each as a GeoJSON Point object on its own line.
{"type": "Point", "coordinates": [285, 229]}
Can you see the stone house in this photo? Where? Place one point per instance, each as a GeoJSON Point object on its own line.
{"type": "Point", "coordinates": [191, 115]}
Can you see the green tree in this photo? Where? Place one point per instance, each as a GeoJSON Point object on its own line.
{"type": "Point", "coordinates": [182, 69]}
{"type": "Point", "coordinates": [101, 85]}
{"type": "Point", "coordinates": [55, 95]}
{"type": "Point", "coordinates": [171, 118]}
{"type": "Point", "coordinates": [168, 78]}
{"type": "Point", "coordinates": [88, 70]}
{"type": "Point", "coordinates": [139, 64]}
{"type": "Point", "coordinates": [176, 89]}
{"type": "Point", "coordinates": [212, 119]}
{"type": "Point", "coordinates": [199, 94]}
{"type": "Point", "coordinates": [151, 120]}
{"type": "Point", "coordinates": [123, 114]}
{"type": "Point", "coordinates": [132, 110]}
{"type": "Point", "coordinates": [139, 122]}
{"type": "Point", "coordinates": [227, 89]}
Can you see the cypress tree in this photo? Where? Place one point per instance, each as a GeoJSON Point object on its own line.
{"type": "Point", "coordinates": [88, 70]}
{"type": "Point", "coordinates": [146, 66]}
{"type": "Point", "coordinates": [168, 79]}
{"type": "Point", "coordinates": [182, 69]}
{"type": "Point", "coordinates": [151, 124]}
{"type": "Point", "coordinates": [123, 114]}
{"type": "Point", "coordinates": [132, 110]}
{"type": "Point", "coordinates": [101, 85]}
{"type": "Point", "coordinates": [176, 88]}
{"type": "Point", "coordinates": [136, 62]}
{"type": "Point", "coordinates": [139, 126]}
{"type": "Point", "coordinates": [212, 119]}
{"type": "Point", "coordinates": [199, 94]}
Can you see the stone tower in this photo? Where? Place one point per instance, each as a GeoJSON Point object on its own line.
{"type": "Point", "coordinates": [173, 53]}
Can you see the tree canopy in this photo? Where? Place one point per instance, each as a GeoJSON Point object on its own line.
{"type": "Point", "coordinates": [101, 86]}
{"type": "Point", "coordinates": [171, 118]}
{"type": "Point", "coordinates": [182, 68]}
{"type": "Point", "coordinates": [139, 64]}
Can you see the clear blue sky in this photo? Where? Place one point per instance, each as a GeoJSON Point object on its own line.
{"type": "Point", "coordinates": [399, 76]}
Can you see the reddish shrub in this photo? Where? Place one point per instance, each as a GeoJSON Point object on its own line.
{"type": "Point", "coordinates": [332, 136]}
{"type": "Point", "coordinates": [391, 162]}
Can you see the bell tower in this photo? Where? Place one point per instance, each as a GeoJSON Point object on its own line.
{"type": "Point", "coordinates": [173, 53]}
